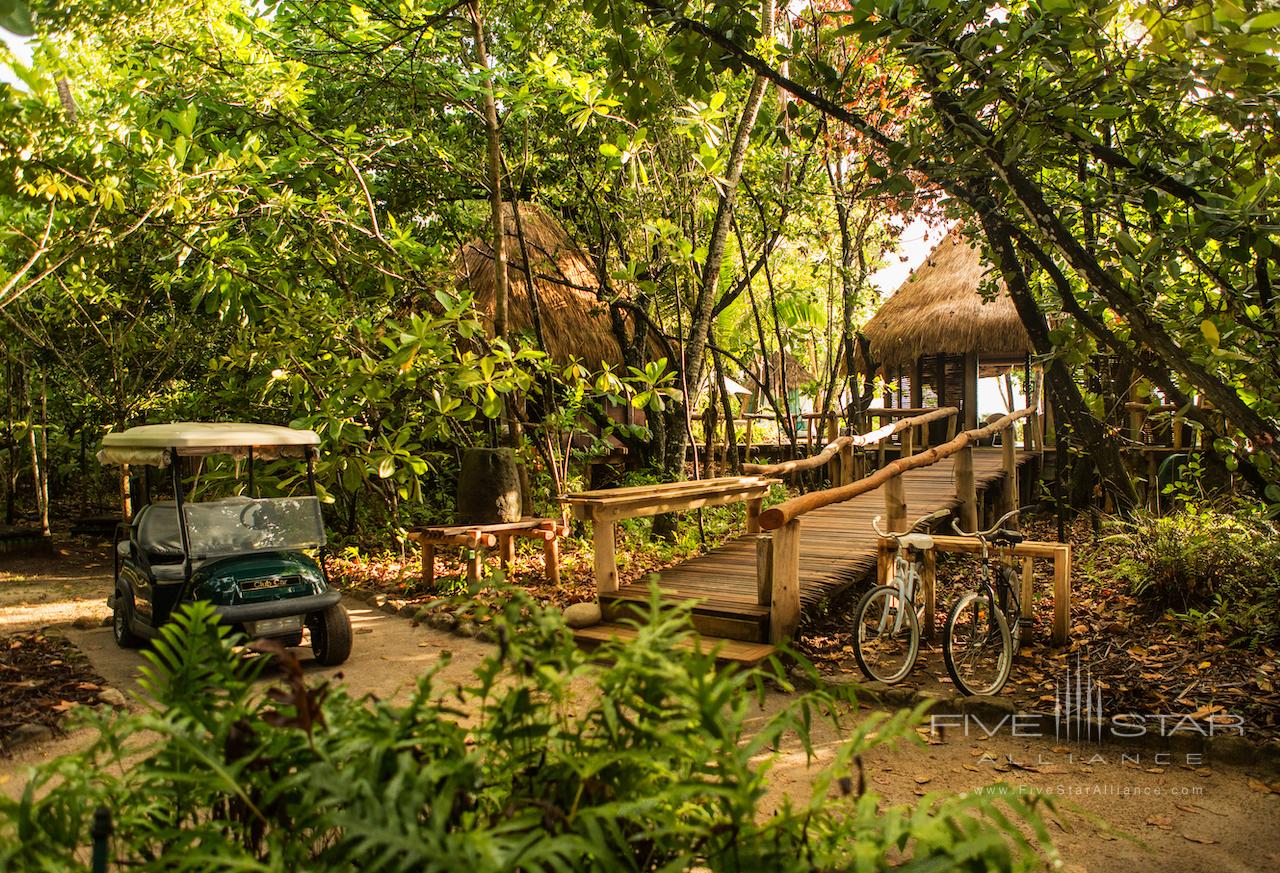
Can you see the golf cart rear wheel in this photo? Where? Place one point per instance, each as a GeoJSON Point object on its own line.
{"type": "Point", "coordinates": [121, 616]}
{"type": "Point", "coordinates": [331, 635]}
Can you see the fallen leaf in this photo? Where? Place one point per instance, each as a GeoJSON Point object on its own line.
{"type": "Point", "coordinates": [1259, 786]}
{"type": "Point", "coordinates": [1205, 841]}
{"type": "Point", "coordinates": [922, 779]}
{"type": "Point", "coordinates": [1161, 821]}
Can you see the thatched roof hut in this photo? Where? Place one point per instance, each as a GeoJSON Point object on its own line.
{"type": "Point", "coordinates": [939, 310]}
{"type": "Point", "coordinates": [575, 322]}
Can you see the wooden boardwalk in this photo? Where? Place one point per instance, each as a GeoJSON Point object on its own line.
{"type": "Point", "coordinates": [837, 549]}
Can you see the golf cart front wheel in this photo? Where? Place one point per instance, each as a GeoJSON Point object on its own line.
{"type": "Point", "coordinates": [121, 616]}
{"type": "Point", "coordinates": [331, 635]}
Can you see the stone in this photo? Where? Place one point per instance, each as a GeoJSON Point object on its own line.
{"type": "Point", "coordinates": [379, 600]}
{"type": "Point", "coordinates": [86, 622]}
{"type": "Point", "coordinates": [1229, 749]}
{"type": "Point", "coordinates": [112, 697]}
{"type": "Point", "coordinates": [30, 732]}
{"type": "Point", "coordinates": [582, 614]}
{"type": "Point", "coordinates": [106, 622]}
{"type": "Point", "coordinates": [988, 707]}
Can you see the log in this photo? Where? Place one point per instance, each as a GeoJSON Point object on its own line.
{"type": "Point", "coordinates": [784, 603]}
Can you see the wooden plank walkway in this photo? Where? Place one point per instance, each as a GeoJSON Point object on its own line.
{"type": "Point", "coordinates": [837, 546]}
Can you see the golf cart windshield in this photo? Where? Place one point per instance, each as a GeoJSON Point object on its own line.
{"type": "Point", "coordinates": [233, 527]}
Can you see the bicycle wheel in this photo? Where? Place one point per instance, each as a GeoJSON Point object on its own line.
{"type": "Point", "coordinates": [977, 647]}
{"type": "Point", "coordinates": [1011, 605]}
{"type": "Point", "coordinates": [886, 636]}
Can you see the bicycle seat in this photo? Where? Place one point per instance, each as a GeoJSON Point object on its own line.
{"type": "Point", "coordinates": [921, 541]}
{"type": "Point", "coordinates": [1010, 537]}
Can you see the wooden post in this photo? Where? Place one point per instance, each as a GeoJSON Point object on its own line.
{"type": "Point", "coordinates": [753, 515]}
{"type": "Point", "coordinates": [473, 564]}
{"type": "Point", "coordinates": [764, 569]}
{"type": "Point", "coordinates": [951, 428]}
{"type": "Point", "coordinates": [966, 489]}
{"type": "Point", "coordinates": [1009, 450]}
{"type": "Point", "coordinates": [969, 406]}
{"type": "Point", "coordinates": [746, 452]}
{"type": "Point", "coordinates": [895, 505]}
{"type": "Point", "coordinates": [929, 582]}
{"type": "Point", "coordinates": [885, 547]}
{"type": "Point", "coordinates": [606, 564]}
{"type": "Point", "coordinates": [1028, 588]}
{"type": "Point", "coordinates": [429, 566]}
{"type": "Point", "coordinates": [551, 557]}
{"type": "Point", "coordinates": [1061, 595]}
{"type": "Point", "coordinates": [506, 552]}
{"type": "Point", "coordinates": [784, 604]}
{"type": "Point", "coordinates": [908, 443]}
{"type": "Point", "coordinates": [846, 464]}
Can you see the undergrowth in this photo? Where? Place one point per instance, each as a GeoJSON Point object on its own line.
{"type": "Point", "coordinates": [651, 767]}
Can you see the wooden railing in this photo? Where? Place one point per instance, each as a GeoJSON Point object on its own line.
{"type": "Point", "coordinates": [839, 452]}
{"type": "Point", "coordinates": [778, 554]}
{"type": "Point", "coordinates": [604, 509]}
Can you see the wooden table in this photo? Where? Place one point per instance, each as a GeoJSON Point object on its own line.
{"type": "Point", "coordinates": [606, 507]}
{"type": "Point", "coordinates": [477, 537]}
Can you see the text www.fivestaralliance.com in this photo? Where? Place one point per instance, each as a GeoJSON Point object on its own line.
{"type": "Point", "coordinates": [1101, 789]}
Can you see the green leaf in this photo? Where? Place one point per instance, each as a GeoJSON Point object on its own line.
{"type": "Point", "coordinates": [1210, 332]}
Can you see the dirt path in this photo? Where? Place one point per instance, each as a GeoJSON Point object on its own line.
{"type": "Point", "coordinates": [1187, 816]}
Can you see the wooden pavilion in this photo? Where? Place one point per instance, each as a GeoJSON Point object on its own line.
{"type": "Point", "coordinates": [937, 334]}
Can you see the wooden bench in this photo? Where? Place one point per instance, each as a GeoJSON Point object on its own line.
{"type": "Point", "coordinates": [605, 508]}
{"type": "Point", "coordinates": [475, 538]}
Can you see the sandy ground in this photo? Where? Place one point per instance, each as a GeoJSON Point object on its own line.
{"type": "Point", "coordinates": [1167, 812]}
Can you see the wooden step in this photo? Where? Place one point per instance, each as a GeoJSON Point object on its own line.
{"type": "Point", "coordinates": [731, 651]}
{"type": "Point", "coordinates": [711, 618]}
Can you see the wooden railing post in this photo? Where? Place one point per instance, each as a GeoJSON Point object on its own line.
{"type": "Point", "coordinates": [602, 547]}
{"type": "Point", "coordinates": [784, 603]}
{"type": "Point", "coordinates": [764, 569]}
{"type": "Point", "coordinates": [1009, 451]}
{"type": "Point", "coordinates": [895, 505]}
{"type": "Point", "coordinates": [1061, 595]}
{"type": "Point", "coordinates": [429, 566]}
{"type": "Point", "coordinates": [753, 515]}
{"type": "Point", "coordinates": [951, 428]}
{"type": "Point", "coordinates": [908, 443]}
{"type": "Point", "coordinates": [966, 489]}
{"type": "Point", "coordinates": [846, 464]}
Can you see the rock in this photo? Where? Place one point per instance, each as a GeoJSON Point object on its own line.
{"type": "Point", "coordinates": [582, 614]}
{"type": "Point", "coordinates": [1230, 749]}
{"type": "Point", "coordinates": [24, 734]}
{"type": "Point", "coordinates": [988, 708]}
{"type": "Point", "coordinates": [112, 697]}
{"type": "Point", "coordinates": [86, 622]}
{"type": "Point", "coordinates": [379, 600]}
{"type": "Point", "coordinates": [106, 622]}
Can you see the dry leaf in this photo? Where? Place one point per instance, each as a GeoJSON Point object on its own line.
{"type": "Point", "coordinates": [1259, 786]}
{"type": "Point", "coordinates": [1161, 821]}
{"type": "Point", "coordinates": [1204, 841]}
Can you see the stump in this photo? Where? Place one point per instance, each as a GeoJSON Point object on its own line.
{"type": "Point", "coordinates": [489, 487]}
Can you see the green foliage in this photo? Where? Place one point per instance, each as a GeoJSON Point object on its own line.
{"type": "Point", "coordinates": [543, 761]}
{"type": "Point", "coordinates": [1213, 566]}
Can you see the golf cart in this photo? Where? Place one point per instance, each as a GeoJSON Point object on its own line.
{"type": "Point", "coordinates": [249, 556]}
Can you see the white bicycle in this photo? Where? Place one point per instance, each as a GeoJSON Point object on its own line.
{"type": "Point", "coordinates": [886, 641]}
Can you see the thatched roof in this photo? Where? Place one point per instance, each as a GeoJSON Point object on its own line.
{"type": "Point", "coordinates": [574, 321]}
{"type": "Point", "coordinates": [796, 373]}
{"type": "Point", "coordinates": [938, 309]}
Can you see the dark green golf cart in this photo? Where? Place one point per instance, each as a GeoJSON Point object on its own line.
{"type": "Point", "coordinates": [253, 558]}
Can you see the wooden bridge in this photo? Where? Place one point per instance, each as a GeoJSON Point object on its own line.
{"type": "Point", "coordinates": [751, 591]}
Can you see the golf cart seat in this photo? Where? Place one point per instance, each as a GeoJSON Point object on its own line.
{"type": "Point", "coordinates": [159, 538]}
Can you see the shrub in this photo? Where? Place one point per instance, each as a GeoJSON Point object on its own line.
{"type": "Point", "coordinates": [1203, 558]}
{"type": "Point", "coordinates": [546, 761]}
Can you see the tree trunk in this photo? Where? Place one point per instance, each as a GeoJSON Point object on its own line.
{"type": "Point", "coordinates": [494, 181]}
{"type": "Point", "coordinates": [1104, 453]}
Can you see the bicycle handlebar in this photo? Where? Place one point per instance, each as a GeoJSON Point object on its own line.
{"type": "Point", "coordinates": [933, 516]}
{"type": "Point", "coordinates": [983, 534]}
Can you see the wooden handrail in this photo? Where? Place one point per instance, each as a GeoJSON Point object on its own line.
{"type": "Point", "coordinates": [865, 439]}
{"type": "Point", "coordinates": [777, 516]}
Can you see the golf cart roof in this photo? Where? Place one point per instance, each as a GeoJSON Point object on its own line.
{"type": "Point", "coordinates": [152, 443]}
